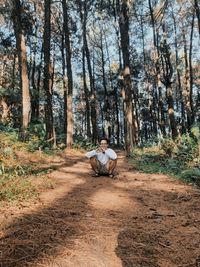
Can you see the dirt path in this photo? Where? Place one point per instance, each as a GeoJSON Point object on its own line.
{"type": "Point", "coordinates": [137, 220]}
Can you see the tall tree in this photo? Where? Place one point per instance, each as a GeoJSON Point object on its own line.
{"type": "Point", "coordinates": [48, 73]}
{"type": "Point", "coordinates": [68, 101]}
{"type": "Point", "coordinates": [130, 126]}
{"type": "Point", "coordinates": [22, 59]}
{"type": "Point", "coordinates": [197, 8]}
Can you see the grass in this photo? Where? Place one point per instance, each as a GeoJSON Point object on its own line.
{"type": "Point", "coordinates": [22, 188]}
{"type": "Point", "coordinates": [154, 160]}
{"type": "Point", "coordinates": [20, 180]}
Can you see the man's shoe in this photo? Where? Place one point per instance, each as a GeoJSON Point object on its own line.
{"type": "Point", "coordinates": [95, 174]}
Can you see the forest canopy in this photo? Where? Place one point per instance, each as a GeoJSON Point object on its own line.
{"type": "Point", "coordinates": [79, 70]}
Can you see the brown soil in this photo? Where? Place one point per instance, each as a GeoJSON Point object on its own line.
{"type": "Point", "coordinates": [136, 220]}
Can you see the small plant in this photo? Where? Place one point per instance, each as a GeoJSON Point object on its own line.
{"type": "Point", "coordinates": [167, 144]}
{"type": "Point", "coordinates": [187, 148]}
{"type": "Point", "coordinates": [191, 175]}
{"type": "Point", "coordinates": [81, 142]}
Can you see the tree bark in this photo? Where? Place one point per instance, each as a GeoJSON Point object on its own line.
{"type": "Point", "coordinates": [187, 85]}
{"type": "Point", "coordinates": [47, 74]}
{"type": "Point", "coordinates": [191, 71]}
{"type": "Point", "coordinates": [69, 127]}
{"type": "Point", "coordinates": [93, 101]}
{"type": "Point", "coordinates": [179, 92]}
{"type": "Point", "coordinates": [167, 73]}
{"type": "Point", "coordinates": [129, 120]}
{"type": "Point", "coordinates": [22, 59]}
{"type": "Point", "coordinates": [197, 8]}
{"type": "Point", "coordinates": [86, 91]}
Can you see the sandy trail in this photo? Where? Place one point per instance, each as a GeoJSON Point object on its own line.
{"type": "Point", "coordinates": [137, 220]}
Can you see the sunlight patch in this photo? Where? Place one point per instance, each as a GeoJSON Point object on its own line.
{"type": "Point", "coordinates": [109, 200]}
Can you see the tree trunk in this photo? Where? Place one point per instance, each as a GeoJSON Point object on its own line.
{"type": "Point", "coordinates": [88, 130]}
{"type": "Point", "coordinates": [179, 92]}
{"type": "Point", "coordinates": [187, 85]}
{"type": "Point", "coordinates": [22, 59]}
{"type": "Point", "coordinates": [196, 5]}
{"type": "Point", "coordinates": [64, 76]}
{"type": "Point", "coordinates": [69, 137]}
{"type": "Point", "coordinates": [5, 112]}
{"type": "Point", "coordinates": [37, 111]}
{"type": "Point", "coordinates": [167, 73]}
{"type": "Point", "coordinates": [171, 114]}
{"type": "Point", "coordinates": [191, 71]}
{"type": "Point", "coordinates": [93, 104]}
{"type": "Point", "coordinates": [106, 101]}
{"type": "Point", "coordinates": [83, 16]}
{"type": "Point", "coordinates": [129, 120]}
{"type": "Point", "coordinates": [47, 74]}
{"type": "Point", "coordinates": [35, 95]}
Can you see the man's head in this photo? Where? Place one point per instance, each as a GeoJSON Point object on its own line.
{"type": "Point", "coordinates": [104, 142]}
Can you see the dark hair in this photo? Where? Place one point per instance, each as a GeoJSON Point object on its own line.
{"type": "Point", "coordinates": [106, 139]}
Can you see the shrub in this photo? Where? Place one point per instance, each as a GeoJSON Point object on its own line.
{"type": "Point", "coordinates": [187, 147]}
{"type": "Point", "coordinates": [191, 175]}
{"type": "Point", "coordinates": [167, 144]}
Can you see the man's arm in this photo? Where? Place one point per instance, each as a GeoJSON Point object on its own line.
{"type": "Point", "coordinates": [91, 154]}
{"type": "Point", "coordinates": [111, 153]}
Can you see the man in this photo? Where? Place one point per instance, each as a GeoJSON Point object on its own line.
{"type": "Point", "coordinates": [103, 160]}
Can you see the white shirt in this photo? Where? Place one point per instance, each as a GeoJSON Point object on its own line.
{"type": "Point", "coordinates": [102, 157]}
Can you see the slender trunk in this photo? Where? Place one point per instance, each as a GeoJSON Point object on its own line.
{"type": "Point", "coordinates": [93, 104]}
{"type": "Point", "coordinates": [13, 72]}
{"type": "Point", "coordinates": [156, 116]}
{"type": "Point", "coordinates": [187, 85]}
{"type": "Point", "coordinates": [64, 81]}
{"type": "Point", "coordinates": [83, 16]}
{"type": "Point", "coordinates": [129, 120]}
{"type": "Point", "coordinates": [69, 137]}
{"type": "Point", "coordinates": [179, 97]}
{"type": "Point", "coordinates": [167, 73]}
{"type": "Point", "coordinates": [47, 74]}
{"type": "Point", "coordinates": [22, 59]}
{"type": "Point", "coordinates": [35, 96]}
{"type": "Point", "coordinates": [171, 114]}
{"type": "Point", "coordinates": [116, 9]}
{"type": "Point", "coordinates": [197, 9]}
{"type": "Point", "coordinates": [191, 71]}
{"type": "Point", "coordinates": [37, 111]}
{"type": "Point", "coordinates": [162, 121]}
{"type": "Point", "coordinates": [106, 101]}
{"type": "Point", "coordinates": [88, 130]}
{"type": "Point", "coordinates": [117, 116]}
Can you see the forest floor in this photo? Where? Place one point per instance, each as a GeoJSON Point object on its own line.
{"type": "Point", "coordinates": [136, 220]}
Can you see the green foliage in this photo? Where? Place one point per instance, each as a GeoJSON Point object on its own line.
{"type": "Point", "coordinates": [81, 142]}
{"type": "Point", "coordinates": [187, 148]}
{"type": "Point", "coordinates": [191, 175]}
{"type": "Point", "coordinates": [37, 137]}
{"type": "Point", "coordinates": [167, 144]}
{"type": "Point", "coordinates": [17, 180]}
{"type": "Point", "coordinates": [156, 162]}
{"type": "Point", "coordinates": [178, 158]}
{"type": "Point", "coordinates": [15, 187]}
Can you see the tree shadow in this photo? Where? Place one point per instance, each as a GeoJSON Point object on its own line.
{"type": "Point", "coordinates": [162, 233]}
{"type": "Point", "coordinates": [67, 162]}
{"type": "Point", "coordinates": [46, 232]}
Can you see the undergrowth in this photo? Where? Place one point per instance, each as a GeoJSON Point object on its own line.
{"type": "Point", "coordinates": [19, 180]}
{"type": "Point", "coordinates": [179, 158]}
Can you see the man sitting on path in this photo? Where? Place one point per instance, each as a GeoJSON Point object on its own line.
{"type": "Point", "coordinates": [103, 160]}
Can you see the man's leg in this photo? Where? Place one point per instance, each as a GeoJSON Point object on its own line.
{"type": "Point", "coordinates": [111, 166]}
{"type": "Point", "coordinates": [94, 164]}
